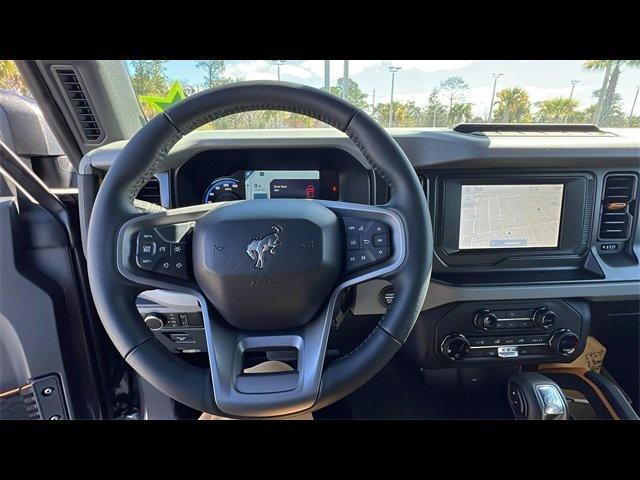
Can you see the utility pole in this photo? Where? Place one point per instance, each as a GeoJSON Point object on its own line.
{"type": "Point", "coordinates": [345, 80]}
{"type": "Point", "coordinates": [393, 71]}
{"type": "Point", "coordinates": [278, 63]}
{"type": "Point", "coordinates": [573, 86]}
{"type": "Point", "coordinates": [633, 105]}
{"type": "Point", "coordinates": [493, 93]}
{"type": "Point", "coordinates": [327, 75]}
{"type": "Point", "coordinates": [373, 103]}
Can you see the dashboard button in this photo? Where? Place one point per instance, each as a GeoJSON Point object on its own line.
{"type": "Point", "coordinates": [479, 342]}
{"type": "Point", "coordinates": [195, 319]}
{"type": "Point", "coordinates": [181, 338]}
{"type": "Point", "coordinates": [172, 320]}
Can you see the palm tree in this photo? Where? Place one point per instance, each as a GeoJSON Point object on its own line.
{"type": "Point", "coordinates": [607, 93]}
{"type": "Point", "coordinates": [556, 110]}
{"type": "Point", "coordinates": [600, 65]}
{"type": "Point", "coordinates": [513, 106]}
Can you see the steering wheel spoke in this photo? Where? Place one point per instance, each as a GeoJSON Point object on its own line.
{"type": "Point", "coordinates": [374, 241]}
{"type": "Point", "coordinates": [155, 249]}
{"type": "Point", "coordinates": [239, 393]}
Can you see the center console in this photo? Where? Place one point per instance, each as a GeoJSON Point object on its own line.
{"type": "Point", "coordinates": [487, 333]}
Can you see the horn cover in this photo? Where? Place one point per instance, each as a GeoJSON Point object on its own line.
{"type": "Point", "coordinates": [267, 264]}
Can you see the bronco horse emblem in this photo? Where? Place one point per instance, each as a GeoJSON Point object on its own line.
{"type": "Point", "coordinates": [259, 247]}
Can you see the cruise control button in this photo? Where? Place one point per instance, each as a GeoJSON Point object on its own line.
{"type": "Point", "coordinates": [150, 248]}
{"type": "Point", "coordinates": [175, 265]}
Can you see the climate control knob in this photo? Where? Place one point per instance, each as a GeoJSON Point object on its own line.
{"type": "Point", "coordinates": [154, 321]}
{"type": "Point", "coordinates": [484, 320]}
{"type": "Point", "coordinates": [455, 346]}
{"type": "Point", "coordinates": [565, 342]}
{"type": "Point", "coordinates": [544, 318]}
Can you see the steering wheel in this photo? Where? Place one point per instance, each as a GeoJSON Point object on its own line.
{"type": "Point", "coordinates": [267, 273]}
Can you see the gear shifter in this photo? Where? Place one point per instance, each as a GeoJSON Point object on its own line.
{"type": "Point", "coordinates": [533, 396]}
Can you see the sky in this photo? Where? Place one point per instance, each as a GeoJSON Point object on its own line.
{"type": "Point", "coordinates": [543, 79]}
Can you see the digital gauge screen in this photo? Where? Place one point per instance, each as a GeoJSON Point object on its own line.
{"type": "Point", "coordinates": [282, 184]}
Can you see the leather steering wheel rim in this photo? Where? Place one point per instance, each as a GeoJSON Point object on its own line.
{"type": "Point", "coordinates": [145, 154]}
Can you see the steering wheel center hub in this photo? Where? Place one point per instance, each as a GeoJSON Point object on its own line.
{"type": "Point", "coordinates": [267, 264]}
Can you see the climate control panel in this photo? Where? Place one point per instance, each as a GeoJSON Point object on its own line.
{"type": "Point", "coordinates": [526, 332]}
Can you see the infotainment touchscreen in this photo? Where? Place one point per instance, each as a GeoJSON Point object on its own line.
{"type": "Point", "coordinates": [282, 184]}
{"type": "Point", "coordinates": [510, 216]}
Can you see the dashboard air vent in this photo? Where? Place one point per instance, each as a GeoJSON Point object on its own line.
{"type": "Point", "coordinates": [150, 192]}
{"type": "Point", "coordinates": [618, 201]}
{"type": "Point", "coordinates": [79, 103]}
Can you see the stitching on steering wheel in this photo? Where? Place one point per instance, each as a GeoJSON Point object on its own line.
{"type": "Point", "coordinates": [150, 171]}
{"type": "Point", "coordinates": [210, 117]}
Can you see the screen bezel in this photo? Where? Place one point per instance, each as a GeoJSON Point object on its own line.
{"type": "Point", "coordinates": [559, 227]}
{"type": "Point", "coordinates": [572, 239]}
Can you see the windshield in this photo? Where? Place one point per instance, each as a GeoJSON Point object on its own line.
{"type": "Point", "coordinates": [414, 93]}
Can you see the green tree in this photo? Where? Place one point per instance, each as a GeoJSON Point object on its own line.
{"type": "Point", "coordinates": [404, 114]}
{"type": "Point", "coordinates": [213, 73]}
{"type": "Point", "coordinates": [454, 89]}
{"type": "Point", "coordinates": [354, 94]}
{"type": "Point", "coordinates": [435, 113]}
{"type": "Point", "coordinates": [512, 106]}
{"type": "Point", "coordinates": [149, 78]}
{"type": "Point", "coordinates": [460, 112]}
{"type": "Point", "coordinates": [557, 110]}
{"type": "Point", "coordinates": [10, 78]}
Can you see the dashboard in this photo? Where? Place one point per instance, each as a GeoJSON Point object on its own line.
{"type": "Point", "coordinates": [265, 184]}
{"type": "Point", "coordinates": [530, 228]}
{"type": "Point", "coordinates": [223, 175]}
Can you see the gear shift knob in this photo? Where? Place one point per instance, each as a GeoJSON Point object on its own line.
{"type": "Point", "coordinates": [533, 396]}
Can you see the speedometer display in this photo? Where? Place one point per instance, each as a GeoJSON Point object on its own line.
{"type": "Point", "coordinates": [266, 184]}
{"type": "Point", "coordinates": [222, 190]}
